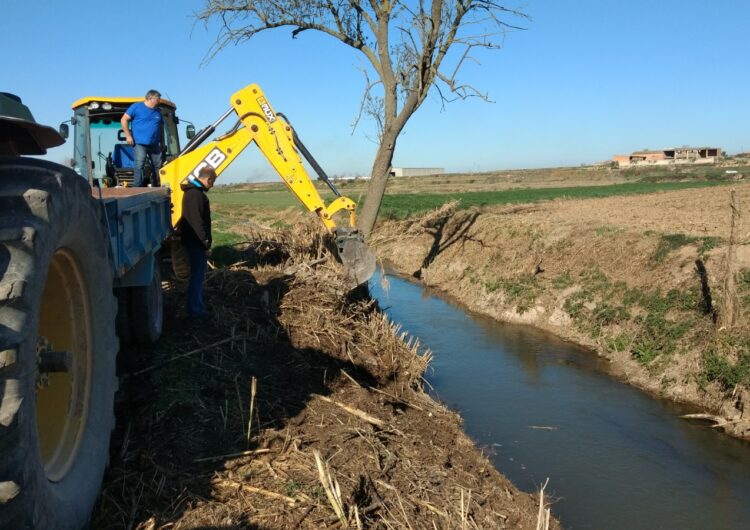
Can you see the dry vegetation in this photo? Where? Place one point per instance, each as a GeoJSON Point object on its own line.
{"type": "Point", "coordinates": [297, 406]}
{"type": "Point", "coordinates": [620, 275]}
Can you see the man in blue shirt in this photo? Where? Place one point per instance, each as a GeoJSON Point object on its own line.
{"type": "Point", "coordinates": [146, 135]}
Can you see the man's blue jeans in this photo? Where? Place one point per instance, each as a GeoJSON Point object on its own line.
{"type": "Point", "coordinates": [197, 256]}
{"type": "Point", "coordinates": [142, 152]}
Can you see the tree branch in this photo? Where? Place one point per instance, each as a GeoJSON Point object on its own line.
{"type": "Point", "coordinates": [412, 46]}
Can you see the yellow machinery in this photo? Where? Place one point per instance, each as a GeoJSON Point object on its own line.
{"type": "Point", "coordinates": [101, 154]}
{"type": "Point", "coordinates": [258, 122]}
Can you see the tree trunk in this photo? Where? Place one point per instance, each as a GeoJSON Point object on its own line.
{"type": "Point", "coordinates": [376, 189]}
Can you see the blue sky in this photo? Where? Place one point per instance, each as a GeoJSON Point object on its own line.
{"type": "Point", "coordinates": [587, 79]}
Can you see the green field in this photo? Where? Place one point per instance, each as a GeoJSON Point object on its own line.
{"type": "Point", "coordinates": [404, 205]}
{"type": "Point", "coordinates": [400, 205]}
{"type": "Point", "coordinates": [276, 199]}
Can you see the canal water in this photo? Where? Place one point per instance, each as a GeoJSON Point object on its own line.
{"type": "Point", "coordinates": [543, 408]}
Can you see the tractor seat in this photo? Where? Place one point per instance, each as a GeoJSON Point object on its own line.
{"type": "Point", "coordinates": [123, 156]}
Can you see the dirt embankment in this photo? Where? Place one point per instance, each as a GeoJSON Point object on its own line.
{"type": "Point", "coordinates": [297, 406]}
{"type": "Point", "coordinates": [618, 275]}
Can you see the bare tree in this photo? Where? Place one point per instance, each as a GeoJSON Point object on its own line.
{"type": "Point", "coordinates": [407, 43]}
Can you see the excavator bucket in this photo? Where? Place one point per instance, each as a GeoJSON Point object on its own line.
{"type": "Point", "coordinates": [355, 255]}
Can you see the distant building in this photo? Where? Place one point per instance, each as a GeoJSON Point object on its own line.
{"type": "Point", "coordinates": [415, 171]}
{"type": "Point", "coordinates": [673, 155]}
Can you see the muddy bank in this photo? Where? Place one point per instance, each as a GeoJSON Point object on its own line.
{"type": "Point", "coordinates": [297, 406]}
{"type": "Point", "coordinates": [618, 275]}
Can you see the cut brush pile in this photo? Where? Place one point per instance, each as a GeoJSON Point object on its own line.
{"type": "Point", "coordinates": [298, 405]}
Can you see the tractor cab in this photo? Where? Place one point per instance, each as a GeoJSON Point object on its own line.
{"type": "Point", "coordinates": [100, 149]}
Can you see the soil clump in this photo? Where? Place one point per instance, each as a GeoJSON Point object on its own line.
{"type": "Point", "coordinates": [642, 280]}
{"type": "Point", "coordinates": [297, 404]}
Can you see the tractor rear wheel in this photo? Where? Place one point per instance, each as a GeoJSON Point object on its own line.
{"type": "Point", "coordinates": [57, 346]}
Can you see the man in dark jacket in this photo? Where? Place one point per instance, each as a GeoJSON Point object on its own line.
{"type": "Point", "coordinates": [195, 228]}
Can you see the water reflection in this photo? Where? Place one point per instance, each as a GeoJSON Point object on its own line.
{"type": "Point", "coordinates": [616, 458]}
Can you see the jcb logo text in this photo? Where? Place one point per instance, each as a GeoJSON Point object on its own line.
{"type": "Point", "coordinates": [213, 160]}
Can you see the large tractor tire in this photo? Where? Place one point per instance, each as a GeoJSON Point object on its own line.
{"type": "Point", "coordinates": [147, 310]}
{"type": "Point", "coordinates": [57, 347]}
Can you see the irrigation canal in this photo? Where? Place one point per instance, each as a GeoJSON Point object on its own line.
{"type": "Point", "coordinates": [543, 408]}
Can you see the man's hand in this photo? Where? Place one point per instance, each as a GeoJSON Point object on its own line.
{"type": "Point", "coordinates": [125, 129]}
{"type": "Point", "coordinates": [208, 253]}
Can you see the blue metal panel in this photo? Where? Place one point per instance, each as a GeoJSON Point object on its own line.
{"type": "Point", "coordinates": [140, 274]}
{"type": "Point", "coordinates": [138, 223]}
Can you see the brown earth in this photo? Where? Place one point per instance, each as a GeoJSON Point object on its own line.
{"type": "Point", "coordinates": [563, 177]}
{"type": "Point", "coordinates": [333, 378]}
{"type": "Point", "coordinates": [615, 274]}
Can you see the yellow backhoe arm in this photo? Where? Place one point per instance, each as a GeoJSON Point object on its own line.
{"type": "Point", "coordinates": [257, 122]}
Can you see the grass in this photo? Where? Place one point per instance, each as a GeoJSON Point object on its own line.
{"type": "Point", "coordinates": [522, 293]}
{"type": "Point", "coordinates": [667, 173]}
{"type": "Point", "coordinates": [292, 487]}
{"type": "Point", "coordinates": [619, 342]}
{"type": "Point", "coordinates": [562, 280]}
{"type": "Point", "coordinates": [727, 360]}
{"type": "Point", "coordinates": [657, 321]}
{"type": "Point", "coordinates": [404, 205]}
{"type": "Point", "coordinates": [608, 230]}
{"type": "Point", "coordinates": [223, 250]}
{"type": "Point", "coordinates": [658, 336]}
{"type": "Point", "coordinates": [729, 375]}
{"type": "Point", "coordinates": [743, 287]}
{"type": "Point", "coordinates": [273, 199]}
{"type": "Point", "coordinates": [669, 242]}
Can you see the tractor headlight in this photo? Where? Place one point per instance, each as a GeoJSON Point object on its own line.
{"type": "Point", "coordinates": [94, 105]}
{"type": "Point", "coordinates": [107, 106]}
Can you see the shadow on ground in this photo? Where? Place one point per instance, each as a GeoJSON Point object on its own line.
{"type": "Point", "coordinates": [183, 405]}
{"type": "Point", "coordinates": [446, 234]}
